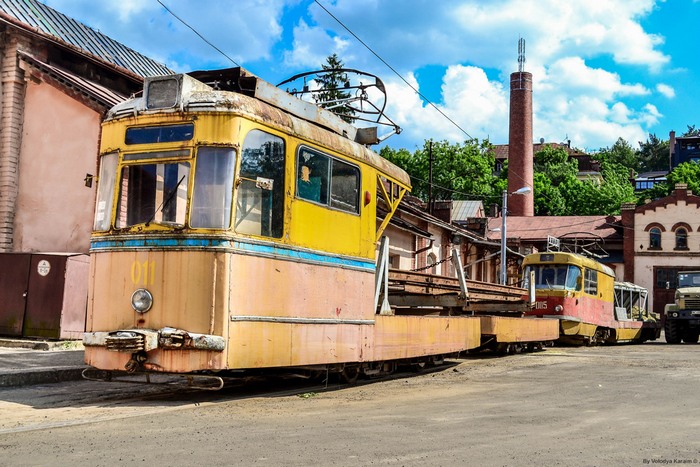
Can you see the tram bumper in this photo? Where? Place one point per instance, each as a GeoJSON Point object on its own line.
{"type": "Point", "coordinates": [134, 340]}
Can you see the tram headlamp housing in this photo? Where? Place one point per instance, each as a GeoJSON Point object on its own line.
{"type": "Point", "coordinates": [558, 308]}
{"type": "Point", "coordinates": [141, 300]}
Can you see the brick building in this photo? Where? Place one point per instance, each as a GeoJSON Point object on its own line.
{"type": "Point", "coordinates": [58, 79]}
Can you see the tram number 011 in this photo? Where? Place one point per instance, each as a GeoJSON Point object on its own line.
{"type": "Point", "coordinates": [143, 272]}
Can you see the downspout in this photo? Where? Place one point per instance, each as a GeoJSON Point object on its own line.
{"type": "Point", "coordinates": [12, 89]}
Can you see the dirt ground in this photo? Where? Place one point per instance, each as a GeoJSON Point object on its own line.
{"type": "Point", "coordinates": [624, 405]}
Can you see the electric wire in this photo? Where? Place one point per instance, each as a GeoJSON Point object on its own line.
{"type": "Point", "coordinates": [394, 70]}
{"type": "Point", "coordinates": [197, 32]}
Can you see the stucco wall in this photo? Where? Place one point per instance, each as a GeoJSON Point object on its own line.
{"type": "Point", "coordinates": [401, 246]}
{"type": "Point", "coordinates": [667, 216]}
{"type": "Point", "coordinates": [54, 209]}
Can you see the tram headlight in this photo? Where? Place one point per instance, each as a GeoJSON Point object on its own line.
{"type": "Point", "coordinates": [141, 300]}
{"type": "Point", "coordinates": [558, 308]}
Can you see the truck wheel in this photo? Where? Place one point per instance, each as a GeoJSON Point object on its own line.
{"type": "Point", "coordinates": [672, 333]}
{"type": "Point", "coordinates": [690, 336]}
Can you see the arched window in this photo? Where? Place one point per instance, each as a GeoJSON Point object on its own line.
{"type": "Point", "coordinates": [681, 239]}
{"type": "Point", "coordinates": [432, 260]}
{"type": "Point", "coordinates": [655, 238]}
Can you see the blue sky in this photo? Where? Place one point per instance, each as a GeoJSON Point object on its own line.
{"type": "Point", "coordinates": [602, 69]}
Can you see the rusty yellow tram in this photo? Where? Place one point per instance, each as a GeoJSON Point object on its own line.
{"type": "Point", "coordinates": [237, 229]}
{"type": "Point", "coordinates": [591, 307]}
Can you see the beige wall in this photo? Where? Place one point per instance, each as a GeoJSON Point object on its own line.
{"type": "Point", "coordinates": [54, 209]}
{"type": "Point", "coordinates": [667, 216]}
{"type": "Point", "coordinates": [401, 246]}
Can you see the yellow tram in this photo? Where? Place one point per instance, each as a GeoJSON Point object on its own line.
{"type": "Point", "coordinates": [236, 228]}
{"type": "Point", "coordinates": [582, 294]}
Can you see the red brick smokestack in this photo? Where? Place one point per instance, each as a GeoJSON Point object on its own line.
{"type": "Point", "coordinates": [520, 155]}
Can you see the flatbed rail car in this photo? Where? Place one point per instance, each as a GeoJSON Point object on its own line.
{"type": "Point", "coordinates": [500, 308]}
{"type": "Point", "coordinates": [582, 295]}
{"type": "Point", "coordinates": [236, 229]}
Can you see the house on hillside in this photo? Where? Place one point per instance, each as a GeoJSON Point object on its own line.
{"type": "Point", "coordinates": [683, 149]}
{"type": "Point", "coordinates": [58, 79]}
{"type": "Point", "coordinates": [661, 237]}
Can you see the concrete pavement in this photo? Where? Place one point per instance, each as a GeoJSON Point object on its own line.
{"type": "Point", "coordinates": [26, 362]}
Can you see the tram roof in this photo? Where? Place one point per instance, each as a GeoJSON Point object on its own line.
{"type": "Point", "coordinates": [237, 91]}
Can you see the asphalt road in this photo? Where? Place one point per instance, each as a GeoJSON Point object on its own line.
{"type": "Point", "coordinates": [624, 405]}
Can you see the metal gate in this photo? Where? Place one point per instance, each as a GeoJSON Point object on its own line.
{"type": "Point", "coordinates": [43, 295]}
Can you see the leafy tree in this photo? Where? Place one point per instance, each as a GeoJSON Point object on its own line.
{"type": "Point", "coordinates": [556, 164]}
{"type": "Point", "coordinates": [548, 200]}
{"type": "Point", "coordinates": [653, 154]}
{"type": "Point", "coordinates": [558, 191]}
{"type": "Point", "coordinates": [619, 153]}
{"type": "Point", "coordinates": [332, 96]}
{"type": "Point", "coordinates": [692, 131]}
{"type": "Point", "coordinates": [460, 171]}
{"type": "Point", "coordinates": [687, 172]}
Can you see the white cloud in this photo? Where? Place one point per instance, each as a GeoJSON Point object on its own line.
{"type": "Point", "coordinates": [577, 51]}
{"type": "Point", "coordinates": [666, 90]}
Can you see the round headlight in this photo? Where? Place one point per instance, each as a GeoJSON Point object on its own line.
{"type": "Point", "coordinates": [558, 308]}
{"type": "Point", "coordinates": [141, 300]}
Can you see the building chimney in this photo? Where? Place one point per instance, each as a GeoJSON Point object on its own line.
{"type": "Point", "coordinates": [520, 152]}
{"type": "Point", "coordinates": [671, 149]}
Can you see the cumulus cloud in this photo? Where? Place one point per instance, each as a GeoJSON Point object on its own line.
{"type": "Point", "coordinates": [666, 90]}
{"type": "Point", "coordinates": [575, 50]}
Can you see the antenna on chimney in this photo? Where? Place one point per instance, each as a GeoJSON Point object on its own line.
{"type": "Point", "coordinates": [521, 55]}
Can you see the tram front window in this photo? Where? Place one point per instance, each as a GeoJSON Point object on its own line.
{"type": "Point", "coordinates": [213, 188]}
{"type": "Point", "coordinates": [153, 193]}
{"type": "Point", "coordinates": [555, 276]}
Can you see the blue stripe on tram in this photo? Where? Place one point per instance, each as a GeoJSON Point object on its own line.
{"type": "Point", "coordinates": [254, 248]}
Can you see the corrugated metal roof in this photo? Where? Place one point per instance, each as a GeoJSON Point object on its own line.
{"type": "Point", "coordinates": [46, 20]}
{"type": "Point", "coordinates": [462, 210]}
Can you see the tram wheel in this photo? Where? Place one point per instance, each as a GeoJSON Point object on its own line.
{"type": "Point", "coordinates": [350, 374]}
{"type": "Point", "coordinates": [672, 332]}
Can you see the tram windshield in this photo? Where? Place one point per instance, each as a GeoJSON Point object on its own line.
{"type": "Point", "coordinates": [153, 193]}
{"type": "Point", "coordinates": [554, 276]}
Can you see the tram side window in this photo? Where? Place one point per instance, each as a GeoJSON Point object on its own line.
{"type": "Point", "coordinates": [260, 197]}
{"type": "Point", "coordinates": [328, 181]}
{"type": "Point", "coordinates": [213, 188]}
{"type": "Point", "coordinates": [590, 282]}
{"type": "Point", "coordinates": [153, 193]}
{"type": "Point", "coordinates": [105, 191]}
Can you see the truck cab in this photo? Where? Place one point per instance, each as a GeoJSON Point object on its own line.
{"type": "Point", "coordinates": [683, 315]}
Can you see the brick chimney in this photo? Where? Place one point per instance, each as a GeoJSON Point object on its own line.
{"type": "Point", "coordinates": [520, 152]}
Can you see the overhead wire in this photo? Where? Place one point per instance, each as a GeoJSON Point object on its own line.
{"type": "Point", "coordinates": [422, 96]}
{"type": "Point", "coordinates": [198, 34]}
{"type": "Point", "coordinates": [402, 78]}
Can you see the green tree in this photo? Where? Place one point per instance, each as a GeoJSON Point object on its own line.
{"type": "Point", "coordinates": [332, 83]}
{"type": "Point", "coordinates": [687, 172]}
{"type": "Point", "coordinates": [692, 131]}
{"type": "Point", "coordinates": [460, 171]}
{"type": "Point", "coordinates": [653, 154]}
{"type": "Point", "coordinates": [559, 192]}
{"type": "Point", "coordinates": [619, 153]}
